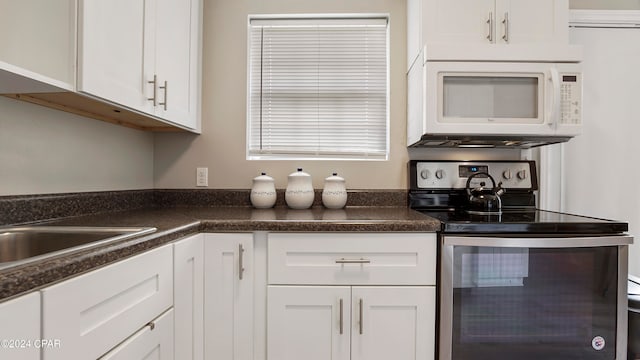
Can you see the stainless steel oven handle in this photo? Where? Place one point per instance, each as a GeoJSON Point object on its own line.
{"type": "Point", "coordinates": [538, 242]}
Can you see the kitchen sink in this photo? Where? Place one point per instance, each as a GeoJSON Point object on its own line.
{"type": "Point", "coordinates": [22, 244]}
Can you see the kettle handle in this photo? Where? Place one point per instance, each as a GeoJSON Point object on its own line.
{"type": "Point", "coordinates": [493, 182]}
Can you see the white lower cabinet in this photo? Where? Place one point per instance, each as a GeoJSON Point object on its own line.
{"type": "Point", "coordinates": [153, 342]}
{"type": "Point", "coordinates": [228, 296]}
{"type": "Point", "coordinates": [351, 296]}
{"type": "Point", "coordinates": [188, 299]}
{"type": "Point", "coordinates": [393, 323]}
{"type": "Point", "coordinates": [93, 313]}
{"type": "Point", "coordinates": [20, 329]}
{"type": "Point", "coordinates": [308, 322]}
{"type": "Point", "coordinates": [359, 323]}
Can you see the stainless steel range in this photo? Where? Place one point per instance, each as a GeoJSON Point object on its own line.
{"type": "Point", "coordinates": [517, 282]}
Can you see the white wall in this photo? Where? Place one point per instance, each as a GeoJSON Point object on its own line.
{"type": "Point", "coordinates": [48, 151]}
{"type": "Point", "coordinates": [221, 147]}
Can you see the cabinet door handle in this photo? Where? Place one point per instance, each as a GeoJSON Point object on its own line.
{"type": "Point", "coordinates": [341, 317]}
{"type": "Point", "coordinates": [490, 22]}
{"type": "Point", "coordinates": [155, 90]}
{"type": "Point", "coordinates": [353, 261]}
{"type": "Point", "coordinates": [505, 37]}
{"type": "Point", "coordinates": [164, 103]}
{"type": "Point", "coordinates": [240, 261]}
{"type": "Point", "coordinates": [361, 315]}
{"type": "Point", "coordinates": [151, 325]}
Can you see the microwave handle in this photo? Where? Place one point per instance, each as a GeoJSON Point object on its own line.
{"type": "Point", "coordinates": [554, 111]}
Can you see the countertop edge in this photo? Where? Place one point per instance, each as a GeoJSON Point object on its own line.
{"type": "Point", "coordinates": [22, 279]}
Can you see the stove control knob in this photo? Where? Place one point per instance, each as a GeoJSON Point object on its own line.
{"type": "Point", "coordinates": [424, 174]}
{"type": "Point", "coordinates": [522, 174]}
{"type": "Point", "coordinates": [507, 175]}
{"type": "Point", "coordinates": [440, 173]}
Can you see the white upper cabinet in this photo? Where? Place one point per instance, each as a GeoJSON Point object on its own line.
{"type": "Point", "coordinates": [524, 21]}
{"type": "Point", "coordinates": [147, 60]}
{"type": "Point", "coordinates": [134, 63]}
{"type": "Point", "coordinates": [458, 20]}
{"type": "Point", "coordinates": [475, 28]}
{"type": "Point", "coordinates": [496, 21]}
{"type": "Point", "coordinates": [111, 54]}
{"type": "Point", "coordinates": [176, 53]}
{"type": "Point", "coordinates": [37, 45]}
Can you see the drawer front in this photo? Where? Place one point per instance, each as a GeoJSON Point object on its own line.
{"type": "Point", "coordinates": [154, 341]}
{"type": "Point", "coordinates": [352, 259]}
{"type": "Point", "coordinates": [94, 312]}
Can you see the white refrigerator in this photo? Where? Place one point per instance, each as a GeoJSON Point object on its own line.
{"type": "Point", "coordinates": [599, 171]}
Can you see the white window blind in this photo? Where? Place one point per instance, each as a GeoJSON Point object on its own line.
{"type": "Point", "coordinates": [318, 88]}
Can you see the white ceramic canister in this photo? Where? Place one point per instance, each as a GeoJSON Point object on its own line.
{"type": "Point", "coordinates": [334, 193]}
{"type": "Point", "coordinates": [263, 192]}
{"type": "Point", "coordinates": [299, 193]}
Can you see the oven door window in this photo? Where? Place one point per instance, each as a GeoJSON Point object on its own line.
{"type": "Point", "coordinates": [532, 303]}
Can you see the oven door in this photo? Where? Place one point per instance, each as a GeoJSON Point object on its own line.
{"type": "Point", "coordinates": [533, 298]}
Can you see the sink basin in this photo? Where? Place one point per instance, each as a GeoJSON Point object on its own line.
{"type": "Point", "coordinates": [27, 243]}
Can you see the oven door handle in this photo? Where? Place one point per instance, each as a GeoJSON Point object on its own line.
{"type": "Point", "coordinates": [537, 242]}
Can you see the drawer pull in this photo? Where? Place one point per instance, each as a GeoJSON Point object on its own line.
{"type": "Point", "coordinates": [353, 261]}
{"type": "Point", "coordinates": [151, 325]}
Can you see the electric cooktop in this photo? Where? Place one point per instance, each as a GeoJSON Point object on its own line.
{"type": "Point", "coordinates": [441, 189]}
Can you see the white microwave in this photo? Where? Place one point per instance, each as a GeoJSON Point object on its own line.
{"type": "Point", "coordinates": [503, 101]}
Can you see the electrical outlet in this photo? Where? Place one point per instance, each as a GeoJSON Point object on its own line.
{"type": "Point", "coordinates": [202, 176]}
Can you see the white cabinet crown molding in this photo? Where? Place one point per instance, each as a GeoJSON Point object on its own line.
{"type": "Point", "coordinates": [604, 18]}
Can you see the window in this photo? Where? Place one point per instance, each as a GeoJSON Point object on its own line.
{"type": "Point", "coordinates": [318, 88]}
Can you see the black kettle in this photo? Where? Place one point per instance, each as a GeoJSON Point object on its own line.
{"type": "Point", "coordinates": [482, 200]}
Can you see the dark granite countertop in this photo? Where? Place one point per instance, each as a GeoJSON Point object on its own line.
{"type": "Point", "coordinates": [176, 222]}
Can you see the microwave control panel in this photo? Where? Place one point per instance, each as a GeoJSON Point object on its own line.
{"type": "Point", "coordinates": [570, 98]}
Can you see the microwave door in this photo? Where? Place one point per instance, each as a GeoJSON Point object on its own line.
{"type": "Point", "coordinates": [487, 99]}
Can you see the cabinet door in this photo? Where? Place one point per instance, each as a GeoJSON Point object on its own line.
{"type": "Point", "coordinates": [308, 323]}
{"type": "Point", "coordinates": [188, 298]}
{"type": "Point", "coordinates": [525, 21]}
{"type": "Point", "coordinates": [37, 40]}
{"type": "Point", "coordinates": [153, 342]}
{"type": "Point", "coordinates": [111, 57]}
{"type": "Point", "coordinates": [393, 323]}
{"type": "Point", "coordinates": [92, 313]}
{"type": "Point", "coordinates": [177, 51]}
{"type": "Point", "coordinates": [459, 20]}
{"type": "Point", "coordinates": [228, 296]}
{"type": "Point", "coordinates": [20, 319]}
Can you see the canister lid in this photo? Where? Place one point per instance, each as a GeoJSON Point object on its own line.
{"type": "Point", "coordinates": [633, 289]}
{"type": "Point", "coordinates": [263, 177]}
{"type": "Point", "coordinates": [334, 178]}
